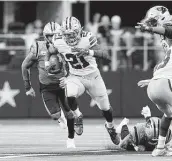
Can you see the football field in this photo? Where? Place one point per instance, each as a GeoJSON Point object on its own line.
{"type": "Point", "coordinates": [43, 140]}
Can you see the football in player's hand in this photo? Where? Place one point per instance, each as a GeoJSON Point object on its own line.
{"type": "Point", "coordinates": [55, 65]}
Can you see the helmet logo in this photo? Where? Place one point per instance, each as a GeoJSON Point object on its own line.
{"type": "Point", "coordinates": [162, 9]}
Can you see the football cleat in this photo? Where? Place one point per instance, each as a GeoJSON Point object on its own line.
{"type": "Point", "coordinates": [125, 121]}
{"type": "Point", "coordinates": [70, 143]}
{"type": "Point", "coordinates": [169, 152]}
{"type": "Point", "coordinates": [78, 125]}
{"type": "Point", "coordinates": [168, 149]}
{"type": "Point", "coordinates": [113, 135]}
{"type": "Point", "coordinates": [159, 152]}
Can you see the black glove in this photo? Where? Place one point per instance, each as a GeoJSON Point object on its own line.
{"type": "Point", "coordinates": [27, 85]}
{"type": "Point", "coordinates": [143, 27]}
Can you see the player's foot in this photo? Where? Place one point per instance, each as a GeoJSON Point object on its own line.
{"type": "Point", "coordinates": [78, 125]}
{"type": "Point", "coordinates": [62, 121]}
{"type": "Point", "coordinates": [168, 149]}
{"type": "Point", "coordinates": [169, 152]}
{"type": "Point", "coordinates": [125, 121]}
{"type": "Point", "coordinates": [159, 152]}
{"type": "Point", "coordinates": [70, 143]}
{"type": "Point", "coordinates": [113, 135]}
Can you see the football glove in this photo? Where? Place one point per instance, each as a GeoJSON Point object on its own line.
{"type": "Point", "coordinates": [146, 111]}
{"type": "Point", "coordinates": [143, 27]}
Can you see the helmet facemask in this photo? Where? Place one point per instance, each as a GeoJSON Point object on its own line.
{"type": "Point", "coordinates": [72, 37]}
{"type": "Point", "coordinates": [50, 30]}
{"type": "Point", "coordinates": [71, 30]}
{"type": "Point", "coordinates": [151, 22]}
{"type": "Point", "coordinates": [48, 37]}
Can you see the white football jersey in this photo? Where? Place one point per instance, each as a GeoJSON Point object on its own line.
{"type": "Point", "coordinates": [78, 65]}
{"type": "Point", "coordinates": [164, 68]}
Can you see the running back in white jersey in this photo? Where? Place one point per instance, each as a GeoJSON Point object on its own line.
{"type": "Point", "coordinates": [83, 65]}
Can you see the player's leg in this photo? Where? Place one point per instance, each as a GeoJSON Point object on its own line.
{"type": "Point", "coordinates": [74, 89]}
{"type": "Point", "coordinates": [78, 115]}
{"type": "Point", "coordinates": [53, 108]}
{"type": "Point", "coordinates": [69, 115]}
{"type": "Point", "coordinates": [159, 91]}
{"type": "Point", "coordinates": [97, 90]}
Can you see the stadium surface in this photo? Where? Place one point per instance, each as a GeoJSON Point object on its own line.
{"type": "Point", "coordinates": [43, 140]}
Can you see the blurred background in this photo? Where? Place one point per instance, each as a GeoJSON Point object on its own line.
{"type": "Point", "coordinates": [133, 53]}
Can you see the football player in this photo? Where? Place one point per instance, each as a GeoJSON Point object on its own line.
{"type": "Point", "coordinates": [52, 94]}
{"type": "Point", "coordinates": [80, 49]}
{"type": "Point", "coordinates": [158, 20]}
{"type": "Point", "coordinates": [142, 136]}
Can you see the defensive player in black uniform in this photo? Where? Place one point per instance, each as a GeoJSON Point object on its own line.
{"type": "Point", "coordinates": [142, 136]}
{"type": "Point", "coordinates": [51, 92]}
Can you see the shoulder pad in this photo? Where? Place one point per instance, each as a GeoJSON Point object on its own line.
{"type": "Point", "coordinates": [34, 48]}
{"type": "Point", "coordinates": [91, 37]}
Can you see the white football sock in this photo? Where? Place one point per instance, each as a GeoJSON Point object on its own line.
{"type": "Point", "coordinates": [109, 124]}
{"type": "Point", "coordinates": [77, 112]}
{"type": "Point", "coordinates": [161, 142]}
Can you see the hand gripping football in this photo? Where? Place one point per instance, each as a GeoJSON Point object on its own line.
{"type": "Point", "coordinates": [55, 65]}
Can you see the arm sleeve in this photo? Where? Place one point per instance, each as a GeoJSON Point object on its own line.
{"type": "Point", "coordinates": [34, 49]}
{"type": "Point", "coordinates": [29, 61]}
{"type": "Point", "coordinates": [100, 52]}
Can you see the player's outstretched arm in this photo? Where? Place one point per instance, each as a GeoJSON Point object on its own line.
{"type": "Point", "coordinates": [96, 51]}
{"type": "Point", "coordinates": [26, 65]}
{"type": "Point", "coordinates": [99, 52]}
{"type": "Point", "coordinates": [165, 30]}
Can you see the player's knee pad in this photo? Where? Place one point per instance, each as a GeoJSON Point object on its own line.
{"type": "Point", "coordinates": [103, 102]}
{"type": "Point", "coordinates": [70, 115]}
{"type": "Point", "coordinates": [74, 88]}
{"type": "Point", "coordinates": [56, 115]}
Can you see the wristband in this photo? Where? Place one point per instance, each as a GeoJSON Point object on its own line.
{"type": "Point", "coordinates": [27, 85]}
{"type": "Point", "coordinates": [91, 52]}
